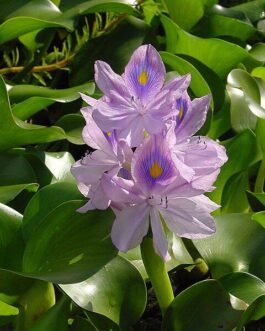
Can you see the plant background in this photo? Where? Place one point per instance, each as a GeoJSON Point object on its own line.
{"type": "Point", "coordinates": [59, 269]}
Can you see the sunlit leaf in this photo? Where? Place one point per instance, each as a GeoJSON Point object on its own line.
{"type": "Point", "coordinates": [122, 298]}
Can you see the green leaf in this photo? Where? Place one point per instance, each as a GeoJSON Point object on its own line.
{"type": "Point", "coordinates": [260, 218]}
{"type": "Point", "coordinates": [257, 51]}
{"type": "Point", "coordinates": [258, 72]}
{"type": "Point", "coordinates": [17, 133]}
{"type": "Point", "coordinates": [198, 84]}
{"type": "Point", "coordinates": [95, 322]}
{"type": "Point", "coordinates": [30, 99]}
{"type": "Point", "coordinates": [97, 6]}
{"type": "Point", "coordinates": [254, 10]}
{"type": "Point", "coordinates": [191, 12]}
{"type": "Point", "coordinates": [68, 246]}
{"type": "Point", "coordinates": [44, 202]}
{"type": "Point", "coordinates": [7, 313]}
{"type": "Point", "coordinates": [206, 312]}
{"type": "Point", "coordinates": [219, 26]}
{"type": "Point", "coordinates": [253, 313]}
{"type": "Point", "coordinates": [9, 192]}
{"type": "Point", "coordinates": [73, 125]}
{"type": "Point", "coordinates": [116, 291]}
{"type": "Point", "coordinates": [11, 243]}
{"type": "Point", "coordinates": [260, 131]}
{"type": "Point", "coordinates": [35, 15]}
{"type": "Point", "coordinates": [56, 318]}
{"type": "Point", "coordinates": [241, 116]}
{"type": "Point", "coordinates": [217, 54]}
{"type": "Point", "coordinates": [16, 175]}
{"type": "Point", "coordinates": [115, 48]}
{"type": "Point", "coordinates": [243, 285]}
{"type": "Point", "coordinates": [230, 250]}
{"type": "Point", "coordinates": [234, 198]}
{"type": "Point", "coordinates": [33, 303]}
{"type": "Point", "coordinates": [237, 161]}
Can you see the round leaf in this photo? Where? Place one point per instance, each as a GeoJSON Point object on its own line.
{"type": "Point", "coordinates": [208, 306]}
{"type": "Point", "coordinates": [116, 291]}
{"type": "Point", "coordinates": [68, 246]}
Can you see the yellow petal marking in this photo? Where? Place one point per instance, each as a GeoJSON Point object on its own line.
{"type": "Point", "coordinates": [181, 113]}
{"type": "Point", "coordinates": [143, 77]}
{"type": "Point", "coordinates": [155, 170]}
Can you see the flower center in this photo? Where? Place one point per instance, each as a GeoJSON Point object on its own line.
{"type": "Point", "coordinates": [143, 77]}
{"type": "Point", "coordinates": [155, 170]}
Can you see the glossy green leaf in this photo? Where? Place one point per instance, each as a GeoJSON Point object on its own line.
{"type": "Point", "coordinates": [258, 72]}
{"type": "Point", "coordinates": [35, 15]}
{"type": "Point", "coordinates": [30, 99]}
{"type": "Point", "coordinates": [59, 165]}
{"type": "Point", "coordinates": [68, 246]}
{"type": "Point", "coordinates": [253, 313]}
{"type": "Point", "coordinates": [209, 308]}
{"type": "Point", "coordinates": [198, 84]}
{"type": "Point", "coordinates": [9, 192]}
{"type": "Point", "coordinates": [73, 125]}
{"type": "Point", "coordinates": [260, 131]}
{"type": "Point", "coordinates": [241, 116]}
{"type": "Point", "coordinates": [237, 161]}
{"type": "Point", "coordinates": [260, 218]}
{"type": "Point", "coordinates": [56, 318]}
{"type": "Point", "coordinates": [220, 26]}
{"type": "Point", "coordinates": [191, 12]}
{"type": "Point", "coordinates": [122, 298]}
{"type": "Point", "coordinates": [11, 244]}
{"type": "Point", "coordinates": [254, 10]}
{"type": "Point", "coordinates": [257, 51]}
{"type": "Point", "coordinates": [17, 133]}
{"type": "Point", "coordinates": [96, 6]}
{"type": "Point", "coordinates": [243, 285]}
{"type": "Point", "coordinates": [221, 122]}
{"type": "Point", "coordinates": [219, 55]}
{"type": "Point", "coordinates": [36, 301]}
{"type": "Point", "coordinates": [230, 250]}
{"type": "Point", "coordinates": [234, 198]}
{"type": "Point", "coordinates": [7, 313]}
{"type": "Point", "coordinates": [44, 202]}
{"type": "Point", "coordinates": [94, 322]}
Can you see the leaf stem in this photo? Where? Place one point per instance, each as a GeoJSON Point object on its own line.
{"type": "Point", "coordinates": [259, 184]}
{"type": "Point", "coordinates": [49, 67]}
{"type": "Point", "coordinates": [157, 272]}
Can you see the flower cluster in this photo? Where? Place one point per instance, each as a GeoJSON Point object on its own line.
{"type": "Point", "coordinates": [147, 165]}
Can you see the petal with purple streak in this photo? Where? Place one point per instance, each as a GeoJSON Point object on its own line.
{"type": "Point", "coordinates": [188, 218]}
{"type": "Point", "coordinates": [107, 80]}
{"type": "Point", "coordinates": [152, 165]}
{"type": "Point", "coordinates": [194, 118]}
{"type": "Point", "coordinates": [130, 226]}
{"type": "Point", "coordinates": [159, 237]}
{"type": "Point", "coordinates": [145, 73]}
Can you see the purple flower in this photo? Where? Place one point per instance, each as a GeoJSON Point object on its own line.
{"type": "Point", "coordinates": [139, 101]}
{"type": "Point", "coordinates": [111, 156]}
{"type": "Point", "coordinates": [157, 195]}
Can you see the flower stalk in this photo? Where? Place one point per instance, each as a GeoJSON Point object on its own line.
{"type": "Point", "coordinates": [157, 272]}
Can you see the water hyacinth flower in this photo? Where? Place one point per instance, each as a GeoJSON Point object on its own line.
{"type": "Point", "coordinates": [139, 101]}
{"type": "Point", "coordinates": [110, 156]}
{"type": "Point", "coordinates": [161, 182]}
{"type": "Point", "coordinates": [158, 195]}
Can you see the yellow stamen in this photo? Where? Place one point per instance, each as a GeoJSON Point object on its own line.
{"type": "Point", "coordinates": [109, 133]}
{"type": "Point", "coordinates": [155, 170]}
{"type": "Point", "coordinates": [146, 134]}
{"type": "Point", "coordinates": [181, 113]}
{"type": "Point", "coordinates": [143, 77]}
